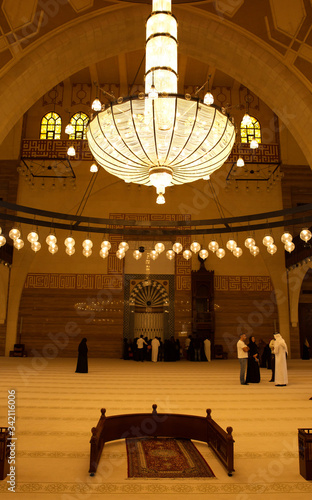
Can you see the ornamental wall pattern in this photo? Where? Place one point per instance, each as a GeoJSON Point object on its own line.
{"type": "Point", "coordinates": [109, 281]}
{"type": "Point", "coordinates": [74, 281]}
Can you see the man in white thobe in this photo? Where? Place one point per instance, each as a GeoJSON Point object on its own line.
{"type": "Point", "coordinates": [280, 351]}
{"type": "Point", "coordinates": [155, 345]}
{"type": "Point", "coordinates": [207, 348]}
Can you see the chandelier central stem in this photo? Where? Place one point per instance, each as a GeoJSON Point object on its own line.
{"type": "Point", "coordinates": [161, 67]}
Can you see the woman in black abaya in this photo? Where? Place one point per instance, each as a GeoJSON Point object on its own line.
{"type": "Point", "coordinates": [253, 371]}
{"type": "Point", "coordinates": [82, 362]}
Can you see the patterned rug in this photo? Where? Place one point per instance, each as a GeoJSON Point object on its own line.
{"type": "Point", "coordinates": [165, 458]}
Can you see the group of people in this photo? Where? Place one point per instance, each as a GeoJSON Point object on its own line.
{"type": "Point", "coordinates": [197, 349]}
{"type": "Point", "coordinates": [249, 359]}
{"type": "Point", "coordinates": [144, 349]}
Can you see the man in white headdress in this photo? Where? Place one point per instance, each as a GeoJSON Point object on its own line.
{"type": "Point", "coordinates": [155, 345]}
{"type": "Point", "coordinates": [280, 351]}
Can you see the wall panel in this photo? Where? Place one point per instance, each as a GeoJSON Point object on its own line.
{"type": "Point", "coordinates": [53, 321]}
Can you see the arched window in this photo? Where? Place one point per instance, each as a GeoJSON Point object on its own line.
{"type": "Point", "coordinates": [51, 125]}
{"type": "Point", "coordinates": [251, 131]}
{"type": "Point", "coordinates": [79, 121]}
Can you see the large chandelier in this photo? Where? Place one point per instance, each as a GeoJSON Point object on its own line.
{"type": "Point", "coordinates": [160, 138]}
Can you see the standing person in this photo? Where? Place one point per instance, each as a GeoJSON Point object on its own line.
{"type": "Point", "coordinates": [271, 345]}
{"type": "Point", "coordinates": [140, 350]}
{"type": "Point", "coordinates": [82, 361]}
{"type": "Point", "coordinates": [306, 349]}
{"type": "Point", "coordinates": [155, 346]}
{"type": "Point", "coordinates": [280, 351]}
{"type": "Point", "coordinates": [187, 345]}
{"type": "Point", "coordinates": [197, 346]}
{"type": "Point", "coordinates": [253, 371]}
{"type": "Point", "coordinates": [207, 348]}
{"type": "Point", "coordinates": [242, 354]}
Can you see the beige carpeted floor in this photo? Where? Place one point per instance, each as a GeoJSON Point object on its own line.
{"type": "Point", "coordinates": [56, 409]}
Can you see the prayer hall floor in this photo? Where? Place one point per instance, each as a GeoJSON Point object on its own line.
{"type": "Point", "coordinates": [56, 409]}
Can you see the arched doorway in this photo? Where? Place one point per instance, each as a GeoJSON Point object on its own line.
{"type": "Point", "coordinates": [149, 301]}
{"type": "Point", "coordinates": [305, 316]}
{"type": "Point", "coordinates": [149, 307]}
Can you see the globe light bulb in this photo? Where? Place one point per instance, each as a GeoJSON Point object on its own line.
{"type": "Point", "coordinates": [50, 239]}
{"type": "Point", "coordinates": [249, 242]}
{"type": "Point", "coordinates": [18, 243]}
{"type": "Point", "coordinates": [170, 254]}
{"type": "Point", "coordinates": [104, 253]}
{"type": "Point", "coordinates": [123, 246]}
{"type": "Point", "coordinates": [268, 240]}
{"type": "Point", "coordinates": [96, 105]}
{"type": "Point", "coordinates": [87, 252]}
{"type": "Point", "coordinates": [195, 247]}
{"type": "Point", "coordinates": [187, 254]}
{"type": "Point", "coordinates": [237, 252]}
{"type": "Point", "coordinates": [220, 253]}
{"type": "Point", "coordinates": [71, 151]}
{"type": "Point", "coordinates": [53, 248]}
{"type": "Point", "coordinates": [137, 254]}
{"type": "Point", "coordinates": [246, 120]}
{"type": "Point", "coordinates": [106, 244]}
{"type": "Point", "coordinates": [120, 254]}
{"type": "Point", "coordinates": [289, 246]}
{"type": "Point", "coordinates": [213, 246]}
{"type": "Point", "coordinates": [231, 245]}
{"type": "Point", "coordinates": [305, 235]}
{"type": "Point", "coordinates": [254, 144]}
{"type": "Point", "coordinates": [272, 249]}
{"type": "Point", "coordinates": [203, 254]}
{"type": "Point", "coordinates": [87, 244]}
{"type": "Point", "coordinates": [3, 240]}
{"type": "Point", "coordinates": [69, 129]}
{"type": "Point", "coordinates": [286, 237]}
{"type": "Point", "coordinates": [208, 99]}
{"type": "Point", "coordinates": [177, 247]}
{"type": "Point", "coordinates": [14, 233]}
{"type": "Point", "coordinates": [35, 246]}
{"type": "Point", "coordinates": [94, 168]}
{"type": "Point", "coordinates": [70, 250]}
{"type": "Point", "coordinates": [69, 241]}
{"type": "Point", "coordinates": [33, 236]}
{"type": "Point", "coordinates": [154, 254]}
{"type": "Point", "coordinates": [254, 250]}
{"type": "Point", "coordinates": [159, 247]}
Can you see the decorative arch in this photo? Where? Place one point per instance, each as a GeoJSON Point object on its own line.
{"type": "Point", "coordinates": [51, 126]}
{"type": "Point", "coordinates": [80, 122]}
{"type": "Point", "coordinates": [154, 295]}
{"type": "Point", "coordinates": [149, 294]}
{"type": "Point", "coordinates": [222, 45]}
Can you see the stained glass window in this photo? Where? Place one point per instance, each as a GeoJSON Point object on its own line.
{"type": "Point", "coordinates": [51, 125]}
{"type": "Point", "coordinates": [79, 121]}
{"type": "Point", "coordinates": [251, 131]}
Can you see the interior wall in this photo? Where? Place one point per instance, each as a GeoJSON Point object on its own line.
{"type": "Point", "coordinates": [253, 313]}
{"type": "Point", "coordinates": [52, 322]}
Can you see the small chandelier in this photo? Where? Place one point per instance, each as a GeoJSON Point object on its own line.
{"type": "Point", "coordinates": [160, 138]}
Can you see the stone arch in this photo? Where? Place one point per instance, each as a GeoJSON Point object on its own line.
{"type": "Point", "coordinates": [204, 37]}
{"type": "Point", "coordinates": [295, 279]}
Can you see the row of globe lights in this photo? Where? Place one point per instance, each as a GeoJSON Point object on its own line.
{"type": "Point", "coordinates": [195, 247]}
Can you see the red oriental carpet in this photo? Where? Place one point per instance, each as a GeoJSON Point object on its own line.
{"type": "Point", "coordinates": [165, 458]}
